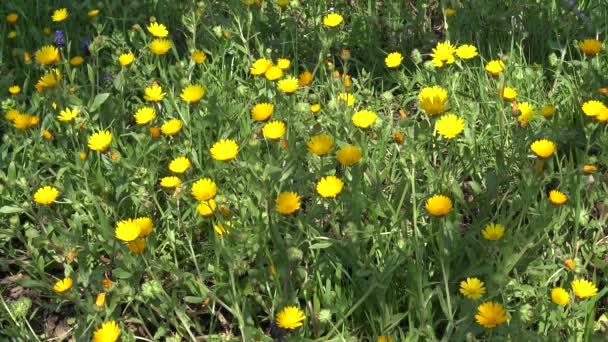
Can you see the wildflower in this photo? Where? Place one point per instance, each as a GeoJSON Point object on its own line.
{"type": "Point", "coordinates": [570, 264]}
{"type": "Point", "coordinates": [198, 56]}
{"type": "Point", "coordinates": [170, 182]}
{"type": "Point", "coordinates": [154, 93]}
{"type": "Point", "coordinates": [206, 208]}
{"type": "Point", "coordinates": [47, 55]}
{"type": "Point", "coordinates": [109, 332]}
{"type": "Point", "coordinates": [450, 12]}
{"type": "Point", "coordinates": [304, 78]}
{"type": "Point", "coordinates": [347, 97]}
{"type": "Point", "coordinates": [593, 108]}
{"type": "Point", "coordinates": [543, 148]}
{"type": "Point", "coordinates": [466, 51]}
{"type": "Point", "coordinates": [171, 127]}
{"type": "Point", "coordinates": [273, 73]}
{"type": "Point", "coordinates": [100, 300]}
{"type": "Point", "coordinates": [63, 285]}
{"type": "Point", "coordinates": [393, 60]}
{"type": "Point", "coordinates": [82, 155]}
{"type": "Point", "coordinates": [349, 155]}
{"type": "Point", "coordinates": [12, 18]}
{"type": "Point", "coordinates": [24, 121]}
{"type": "Point", "coordinates": [559, 296]}
{"type": "Point", "coordinates": [526, 112]}
{"type": "Point", "coordinates": [590, 47]}
{"type": "Point", "coordinates": [433, 100]}
{"type": "Point", "coordinates": [14, 90]}
{"type": "Point", "coordinates": [493, 231]}
{"type": "Point", "coordinates": [490, 315]}
{"type": "Point", "coordinates": [93, 13]}
{"type": "Point", "coordinates": [126, 59]}
{"type": "Point", "coordinates": [288, 202]}
{"type": "Point", "coordinates": [589, 168]}
{"type": "Point", "coordinates": [46, 195]}
{"type": "Point", "coordinates": [283, 63]}
{"type": "Point", "coordinates": [60, 15]}
{"type": "Point", "coordinates": [290, 318]}
{"type": "Point", "coordinates": [315, 108]}
{"type": "Point", "coordinates": [220, 230]}
{"type": "Point", "coordinates": [398, 137]}
{"type": "Point", "coordinates": [12, 35]}
{"type": "Point", "coordinates": [144, 115]}
{"type": "Point", "coordinates": [260, 66]}
{"type": "Point", "coordinates": [193, 93]}
{"type": "Point", "coordinates": [179, 165]}
{"type": "Point", "coordinates": [68, 114]}
{"type": "Point", "coordinates": [262, 111]}
{"type": "Point", "coordinates": [273, 130]}
{"type": "Point", "coordinates": [100, 141]}
{"type": "Point", "coordinates": [495, 67]}
{"type": "Point", "coordinates": [557, 197]}
{"type": "Point", "coordinates": [364, 118]}
{"type": "Point", "coordinates": [332, 20]}
{"type": "Point", "coordinates": [47, 135]}
{"type": "Point", "coordinates": [288, 85]}
{"type": "Point", "coordinates": [449, 126]}
{"type": "Point", "coordinates": [204, 189]}
{"type": "Point", "coordinates": [329, 186]}
{"type": "Point", "coordinates": [507, 93]}
{"type": "Point", "coordinates": [160, 46]}
{"type": "Point", "coordinates": [548, 111]}
{"type": "Point", "coordinates": [472, 288]}
{"type": "Point", "coordinates": [76, 61]}
{"type": "Point", "coordinates": [146, 226]}
{"type": "Point", "coordinates": [106, 283]}
{"type": "Point", "coordinates": [439, 205]}
{"type": "Point", "coordinates": [225, 149]}
{"type": "Point", "coordinates": [11, 114]}
{"type": "Point", "coordinates": [583, 288]}
{"type": "Point", "coordinates": [127, 230]}
{"type": "Point", "coordinates": [155, 132]}
{"type": "Point", "coordinates": [158, 30]}
{"type": "Point", "coordinates": [443, 54]}
{"type": "Point", "coordinates": [320, 144]}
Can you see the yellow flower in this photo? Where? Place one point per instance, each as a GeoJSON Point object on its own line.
{"type": "Point", "coordinates": [443, 54]}
{"type": "Point", "coordinates": [329, 186]}
{"type": "Point", "coordinates": [602, 116]}
{"type": "Point", "coordinates": [288, 85]}
{"type": "Point", "coordinates": [449, 126]}
{"type": "Point", "coordinates": [170, 182]}
{"type": "Point", "coordinates": [495, 67]}
{"type": "Point", "coordinates": [450, 12]}
{"type": "Point", "coordinates": [126, 59]}
{"type": "Point", "coordinates": [23, 121]}
{"type": "Point", "coordinates": [12, 35]}
{"type": "Point", "coordinates": [347, 97]}
{"type": "Point", "coordinates": [543, 148]}
{"type": "Point", "coordinates": [491, 315]}
{"type": "Point", "coordinates": [507, 93]}
{"type": "Point", "coordinates": [393, 59]}
{"type": "Point", "coordinates": [204, 189]}
{"type": "Point", "coordinates": [288, 202]}
{"type": "Point", "coordinates": [559, 296]}
{"type": "Point", "coordinates": [144, 115]}
{"type": "Point", "coordinates": [260, 66]}
{"type": "Point", "coordinates": [47, 55]}
{"type": "Point", "coordinates": [593, 107]}
{"type": "Point", "coordinates": [273, 73]}
{"type": "Point", "coordinates": [282, 3]}
{"type": "Point", "coordinates": [590, 47]}
{"type": "Point", "coordinates": [466, 51]}
{"type": "Point", "coordinates": [47, 135]}
{"type": "Point", "coordinates": [158, 30]}
{"type": "Point", "coordinates": [332, 20]}
{"type": "Point", "coordinates": [262, 111]}
{"type": "Point", "coordinates": [137, 246]}
{"type": "Point", "coordinates": [439, 205]}
{"type": "Point", "coordinates": [100, 141]}
{"type": "Point", "coordinates": [93, 13]}
{"type": "Point", "coordinates": [60, 15]}
{"type": "Point", "coordinates": [493, 231]}
{"type": "Point", "coordinates": [198, 56]}
{"type": "Point", "coordinates": [101, 300]}
{"type": "Point", "coordinates": [160, 46]}
{"type": "Point", "coordinates": [49, 80]}
{"type": "Point", "coordinates": [526, 112]}
{"type": "Point", "coordinates": [290, 318]}
{"type": "Point", "coordinates": [155, 132]}
{"type": "Point", "coordinates": [433, 100]}
{"type": "Point", "coordinates": [283, 63]}
{"type": "Point", "coordinates": [548, 111]}
{"type": "Point", "coordinates": [583, 288]}
{"type": "Point", "coordinates": [68, 114]}
{"type": "Point", "coordinates": [63, 285]}
{"type": "Point", "coordinates": [225, 149]}
{"type": "Point", "coordinates": [76, 61]}
{"type": "Point", "coordinates": [171, 127]}
{"type": "Point", "coordinates": [364, 118]}
{"type": "Point", "coordinates": [82, 155]}
{"type": "Point", "coordinates": [146, 226]}
{"type": "Point", "coordinates": [304, 78]}
{"type": "Point", "coordinates": [589, 168]}
{"type": "Point", "coordinates": [12, 18]}
{"type": "Point", "coordinates": [193, 93]}
{"type": "Point", "coordinates": [11, 114]}
{"type": "Point", "coordinates": [14, 90]}
{"type": "Point", "coordinates": [206, 208]}
{"type": "Point", "coordinates": [154, 93]}
{"type": "Point", "coordinates": [315, 108]}
{"type": "Point", "coordinates": [320, 144]}
{"type": "Point", "coordinates": [472, 288]}
{"type": "Point", "coordinates": [557, 197]}
{"type": "Point", "coordinates": [221, 230]}
{"type": "Point", "coordinates": [109, 332]}
{"type": "Point", "coordinates": [179, 165]}
{"type": "Point", "coordinates": [46, 195]}
{"type": "Point", "coordinates": [349, 155]}
{"type": "Point", "coordinates": [127, 230]}
{"type": "Point", "coordinates": [273, 130]}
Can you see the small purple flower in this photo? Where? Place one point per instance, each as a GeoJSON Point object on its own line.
{"type": "Point", "coordinates": [85, 47]}
{"type": "Point", "coordinates": [59, 39]}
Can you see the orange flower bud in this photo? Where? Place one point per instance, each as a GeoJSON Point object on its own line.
{"type": "Point", "coordinates": [107, 283]}
{"type": "Point", "coordinates": [589, 168]}
{"type": "Point", "coordinates": [347, 81]}
{"type": "Point", "coordinates": [398, 137]}
{"type": "Point", "coordinates": [47, 135]}
{"type": "Point", "coordinates": [570, 263]}
{"type": "Point", "coordinates": [154, 132]}
{"type": "Point", "coordinates": [402, 113]}
{"type": "Point", "coordinates": [284, 144]}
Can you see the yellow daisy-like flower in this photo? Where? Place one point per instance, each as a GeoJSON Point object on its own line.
{"type": "Point", "coordinates": [393, 60]}
{"type": "Point", "coordinates": [206, 208]}
{"type": "Point", "coordinates": [548, 111]}
{"type": "Point", "coordinates": [602, 116]}
{"type": "Point", "coordinates": [472, 288]}
{"type": "Point", "coordinates": [260, 66]}
{"type": "Point", "coordinates": [283, 63]}
{"type": "Point", "coordinates": [68, 114]}
{"type": "Point", "coordinates": [23, 121]}
{"type": "Point", "coordinates": [347, 97]}
{"type": "Point", "coordinates": [14, 90]}
{"type": "Point", "coordinates": [589, 168]}
{"type": "Point", "coordinates": [47, 55]}
{"type": "Point", "coordinates": [76, 61]}
{"type": "Point", "coordinates": [93, 13]}
{"type": "Point", "coordinates": [225, 149]}
{"type": "Point", "coordinates": [490, 315]}
{"type": "Point", "coordinates": [332, 20]}
{"type": "Point", "coordinates": [330, 186]}
{"type": "Point", "coordinates": [526, 112]}
{"type": "Point", "coordinates": [193, 93]}
{"type": "Point", "coordinates": [315, 108]}
{"type": "Point", "coordinates": [593, 107]}
{"type": "Point", "coordinates": [495, 67]}
{"type": "Point", "coordinates": [507, 93]}
{"type": "Point", "coordinates": [288, 202]}
{"type": "Point", "coordinates": [220, 230]}
{"type": "Point", "coordinates": [443, 54]}
{"type": "Point", "coordinates": [543, 148]}
{"type": "Point", "coordinates": [204, 189]}
{"type": "Point", "coordinates": [304, 78]}
{"type": "Point", "coordinates": [48, 80]}
{"type": "Point", "coordinates": [144, 115]}
{"type": "Point", "coordinates": [273, 130]}
{"type": "Point", "coordinates": [137, 246]}
{"type": "Point", "coordinates": [11, 114]}
{"type": "Point", "coordinates": [439, 205]}
{"type": "Point", "coordinates": [171, 127]}
{"type": "Point", "coordinates": [160, 46]}
{"type": "Point", "coordinates": [560, 296]}
{"type": "Point", "coordinates": [288, 85]}
{"type": "Point", "coordinates": [364, 118]}
{"type": "Point", "coordinates": [450, 12]}
{"type": "Point", "coordinates": [154, 93]}
{"type": "Point", "coordinates": [320, 144]}
{"type": "Point", "coordinates": [466, 51]}
{"type": "Point", "coordinates": [290, 318]}
{"type": "Point", "coordinates": [127, 230]}
{"type": "Point", "coordinates": [262, 111]}
{"type": "Point", "coordinates": [433, 100]}
{"type": "Point", "coordinates": [12, 18]}
{"type": "Point", "coordinates": [158, 30]}
{"type": "Point", "coordinates": [449, 126]}
{"type": "Point", "coordinates": [46, 195]}
{"type": "Point", "coordinates": [60, 15]}
{"type": "Point", "coordinates": [100, 141]}
{"type": "Point", "coordinates": [198, 56]}
{"type": "Point", "coordinates": [170, 182]}
{"type": "Point", "coordinates": [273, 73]}
{"type": "Point", "coordinates": [108, 332]}
{"type": "Point", "coordinates": [63, 285]}
{"type": "Point", "coordinates": [583, 288]}
{"type": "Point", "coordinates": [557, 198]}
{"type": "Point", "coordinates": [126, 59]}
{"type": "Point", "coordinates": [146, 226]}
{"type": "Point", "coordinates": [590, 47]}
{"type": "Point", "coordinates": [179, 165]}
{"type": "Point", "coordinates": [493, 231]}
{"type": "Point", "coordinates": [349, 155]}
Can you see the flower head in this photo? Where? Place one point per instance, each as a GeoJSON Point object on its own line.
{"type": "Point", "coordinates": [560, 296]}
{"type": "Point", "coordinates": [273, 130]}
{"type": "Point", "coordinates": [137, 246]}
{"type": "Point", "coordinates": [493, 231]}
{"type": "Point", "coordinates": [283, 63]}
{"type": "Point", "coordinates": [154, 93]}
{"type": "Point", "coordinates": [171, 127]}
{"type": "Point", "coordinates": [346, 97]}
{"type": "Point", "coordinates": [206, 208]}
{"type": "Point", "coordinates": [443, 54]}
{"type": "Point", "coordinates": [158, 30]}
{"type": "Point", "coordinates": [47, 55]}
{"type": "Point", "coordinates": [127, 230]}
{"type": "Point", "coordinates": [100, 141]}
{"type": "Point", "coordinates": [76, 61]}
{"type": "Point", "coordinates": [491, 315]}
{"type": "Point", "coordinates": [93, 13]}
{"type": "Point", "coordinates": [108, 332]}
{"type": "Point", "coordinates": [304, 78]}
{"type": "Point", "coordinates": [526, 112]}
{"type": "Point", "coordinates": [472, 288]}
{"type": "Point", "coordinates": [273, 73]}
{"type": "Point", "coordinates": [449, 126]}
{"type": "Point", "coordinates": [466, 51]}
{"type": "Point", "coordinates": [68, 114]}
{"type": "Point", "coordinates": [179, 165]}
{"type": "Point", "coordinates": [262, 111]}
{"type": "Point", "coordinates": [144, 115]}
{"type": "Point", "coordinates": [198, 56]}
{"type": "Point", "coordinates": [590, 47]}
{"type": "Point", "coordinates": [439, 205]}
{"type": "Point", "coordinates": [48, 80]}
{"type": "Point", "coordinates": [225, 149]}
{"type": "Point", "coordinates": [288, 85]}
{"type": "Point", "coordinates": [160, 46]}
{"type": "Point", "coordinates": [557, 197]}
{"type": "Point", "coordinates": [349, 155]}
{"type": "Point", "coordinates": [543, 148]}
{"type": "Point", "coordinates": [204, 189]}
{"type": "Point", "coordinates": [170, 182]}
{"type": "Point", "coordinates": [12, 18]}
{"type": "Point", "coordinates": [332, 20]}
{"type": "Point", "coordinates": [46, 195]}
{"type": "Point", "coordinates": [330, 186]}
{"type": "Point", "coordinates": [146, 226]}
{"type": "Point", "coordinates": [260, 66]}
{"type": "Point", "coordinates": [126, 59]}
{"type": "Point", "coordinates": [193, 93]}
{"type": "Point", "coordinates": [433, 100]}
{"type": "Point", "coordinates": [288, 203]}
{"type": "Point", "coordinates": [320, 144]}
{"type": "Point", "coordinates": [507, 93]}
{"type": "Point", "coordinates": [495, 67]}
{"type": "Point", "coordinates": [393, 60]}
{"type": "Point", "coordinates": [364, 118]}
{"type": "Point", "coordinates": [593, 108]}
{"type": "Point", "coordinates": [60, 15]}
{"type": "Point", "coordinates": [583, 288]}
{"type": "Point", "coordinates": [290, 318]}
{"type": "Point", "coordinates": [63, 285]}
{"type": "Point", "coordinates": [14, 90]}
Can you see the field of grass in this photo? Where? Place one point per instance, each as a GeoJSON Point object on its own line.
{"type": "Point", "coordinates": [303, 170]}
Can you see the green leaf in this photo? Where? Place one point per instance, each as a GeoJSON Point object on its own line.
{"type": "Point", "coordinates": [98, 101]}
{"type": "Point", "coordinates": [193, 299]}
{"type": "Point", "coordinates": [121, 274]}
{"type": "Point", "coordinates": [7, 209]}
